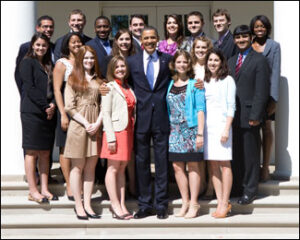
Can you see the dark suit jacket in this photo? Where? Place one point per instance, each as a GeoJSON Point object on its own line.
{"type": "Point", "coordinates": [228, 46]}
{"type": "Point", "coordinates": [22, 52]}
{"type": "Point", "coordinates": [36, 87]}
{"type": "Point", "coordinates": [101, 53]}
{"type": "Point", "coordinates": [151, 104]}
{"type": "Point", "coordinates": [252, 88]}
{"type": "Point", "coordinates": [58, 43]}
{"type": "Point", "coordinates": [137, 46]}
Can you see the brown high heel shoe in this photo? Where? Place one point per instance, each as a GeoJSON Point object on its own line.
{"type": "Point", "coordinates": [183, 210]}
{"type": "Point", "coordinates": [225, 214]}
{"type": "Point", "coordinates": [193, 211]}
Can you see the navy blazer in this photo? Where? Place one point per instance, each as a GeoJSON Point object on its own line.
{"type": "Point", "coordinates": [228, 46]}
{"type": "Point", "coordinates": [101, 54]}
{"type": "Point", "coordinates": [151, 104]}
{"type": "Point", "coordinates": [21, 54]}
{"type": "Point", "coordinates": [273, 54]}
{"type": "Point", "coordinates": [36, 87]}
{"type": "Point", "coordinates": [252, 88]}
{"type": "Point", "coordinates": [58, 43]}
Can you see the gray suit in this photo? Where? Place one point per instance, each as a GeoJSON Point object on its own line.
{"type": "Point", "coordinates": [273, 54]}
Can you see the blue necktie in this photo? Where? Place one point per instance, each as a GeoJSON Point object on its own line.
{"type": "Point", "coordinates": [150, 71]}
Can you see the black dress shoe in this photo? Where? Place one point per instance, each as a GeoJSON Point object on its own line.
{"type": "Point", "coordinates": [245, 199]}
{"type": "Point", "coordinates": [71, 198]}
{"type": "Point", "coordinates": [142, 213]}
{"type": "Point", "coordinates": [92, 215]}
{"type": "Point", "coordinates": [81, 217]}
{"type": "Point", "coordinates": [162, 214]}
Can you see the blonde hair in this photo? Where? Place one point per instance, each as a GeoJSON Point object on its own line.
{"type": "Point", "coordinates": [197, 39]}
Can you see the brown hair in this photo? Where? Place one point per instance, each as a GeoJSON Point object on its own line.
{"type": "Point", "coordinates": [77, 78]}
{"type": "Point", "coordinates": [110, 76]}
{"type": "Point", "coordinates": [221, 12]}
{"type": "Point", "coordinates": [222, 72]}
{"type": "Point", "coordinates": [77, 11]}
{"type": "Point", "coordinates": [115, 49]}
{"type": "Point", "coordinates": [179, 34]}
{"type": "Point", "coordinates": [189, 72]}
{"type": "Point", "coordinates": [203, 39]}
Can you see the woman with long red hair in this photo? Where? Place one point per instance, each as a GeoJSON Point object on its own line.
{"type": "Point", "coordinates": [82, 105]}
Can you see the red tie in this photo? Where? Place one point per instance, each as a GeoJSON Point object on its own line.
{"type": "Point", "coordinates": [239, 64]}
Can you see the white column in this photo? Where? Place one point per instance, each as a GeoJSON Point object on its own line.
{"type": "Point", "coordinates": [286, 32]}
{"type": "Point", "coordinates": [17, 26]}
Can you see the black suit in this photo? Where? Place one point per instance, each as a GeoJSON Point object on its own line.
{"type": "Point", "coordinates": [227, 46]}
{"type": "Point", "coordinates": [21, 54]}
{"type": "Point", "coordinates": [137, 46]}
{"type": "Point", "coordinates": [152, 122]}
{"type": "Point", "coordinates": [252, 92]}
{"type": "Point", "coordinates": [58, 45]}
{"type": "Point", "coordinates": [101, 53]}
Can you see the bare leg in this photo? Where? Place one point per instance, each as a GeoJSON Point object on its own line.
{"type": "Point", "coordinates": [65, 164]}
{"type": "Point", "coordinates": [194, 181]}
{"type": "Point", "coordinates": [44, 172]}
{"type": "Point", "coordinates": [226, 184]}
{"type": "Point", "coordinates": [183, 185]}
{"type": "Point", "coordinates": [217, 181]}
{"type": "Point", "coordinates": [267, 147]}
{"type": "Point", "coordinates": [76, 183]}
{"type": "Point", "coordinates": [112, 185]}
{"type": "Point", "coordinates": [30, 163]}
{"type": "Point", "coordinates": [88, 182]}
{"type": "Point", "coordinates": [121, 186]}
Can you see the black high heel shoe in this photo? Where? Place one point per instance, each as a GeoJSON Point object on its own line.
{"type": "Point", "coordinates": [92, 215]}
{"type": "Point", "coordinates": [81, 217]}
{"type": "Point", "coordinates": [114, 215]}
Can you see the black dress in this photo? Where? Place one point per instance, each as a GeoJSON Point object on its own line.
{"type": "Point", "coordinates": [38, 132]}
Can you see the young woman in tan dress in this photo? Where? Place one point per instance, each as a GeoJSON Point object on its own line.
{"type": "Point", "coordinates": [82, 104]}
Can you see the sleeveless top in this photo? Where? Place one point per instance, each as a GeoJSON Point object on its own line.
{"type": "Point", "coordinates": [69, 68]}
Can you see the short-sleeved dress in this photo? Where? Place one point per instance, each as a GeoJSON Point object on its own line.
{"type": "Point", "coordinates": [79, 144]}
{"type": "Point", "coordinates": [61, 134]}
{"type": "Point", "coordinates": [182, 139]}
{"type": "Point", "coordinates": [220, 103]}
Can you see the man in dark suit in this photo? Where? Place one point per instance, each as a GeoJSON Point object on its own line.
{"type": "Point", "coordinates": [45, 25]}
{"type": "Point", "coordinates": [77, 21]}
{"type": "Point", "coordinates": [150, 77]}
{"type": "Point", "coordinates": [251, 73]}
{"type": "Point", "coordinates": [101, 43]}
{"type": "Point", "coordinates": [222, 21]}
{"type": "Point", "coordinates": [137, 24]}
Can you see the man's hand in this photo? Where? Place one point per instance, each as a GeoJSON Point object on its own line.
{"type": "Point", "coordinates": [199, 84]}
{"type": "Point", "coordinates": [50, 111]}
{"type": "Point", "coordinates": [103, 90]}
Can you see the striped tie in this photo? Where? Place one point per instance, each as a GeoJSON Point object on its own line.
{"type": "Point", "coordinates": [239, 64]}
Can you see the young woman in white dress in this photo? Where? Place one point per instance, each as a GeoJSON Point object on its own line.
{"type": "Point", "coordinates": [220, 104]}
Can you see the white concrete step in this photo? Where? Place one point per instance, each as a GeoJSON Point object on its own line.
{"type": "Point", "coordinates": [236, 226]}
{"type": "Point", "coordinates": [268, 204]}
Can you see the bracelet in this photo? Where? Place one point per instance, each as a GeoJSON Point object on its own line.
{"type": "Point", "coordinates": [199, 135]}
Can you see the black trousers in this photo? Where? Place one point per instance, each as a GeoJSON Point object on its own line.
{"type": "Point", "coordinates": [246, 160]}
{"type": "Point", "coordinates": [143, 170]}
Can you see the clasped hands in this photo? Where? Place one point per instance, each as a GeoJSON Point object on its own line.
{"type": "Point", "coordinates": [50, 111]}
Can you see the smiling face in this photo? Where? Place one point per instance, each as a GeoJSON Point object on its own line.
{"type": "Point", "coordinates": [76, 23]}
{"type": "Point", "coordinates": [120, 70]}
{"type": "Point", "coordinates": [243, 41]}
{"type": "Point", "coordinates": [259, 29]}
{"type": "Point", "coordinates": [88, 61]}
{"type": "Point", "coordinates": [200, 50]}
{"type": "Point", "coordinates": [213, 64]}
{"type": "Point", "coordinates": [136, 27]}
{"type": "Point", "coordinates": [124, 42]}
{"type": "Point", "coordinates": [172, 26]}
{"type": "Point", "coordinates": [74, 44]}
{"type": "Point", "coordinates": [102, 28]}
{"type": "Point", "coordinates": [149, 40]}
{"type": "Point", "coordinates": [181, 64]}
{"type": "Point", "coordinates": [40, 47]}
{"type": "Point", "coordinates": [195, 25]}
{"type": "Point", "coordinates": [221, 24]}
{"type": "Point", "coordinates": [46, 27]}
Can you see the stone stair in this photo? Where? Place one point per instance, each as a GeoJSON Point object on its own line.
{"type": "Point", "coordinates": [274, 214]}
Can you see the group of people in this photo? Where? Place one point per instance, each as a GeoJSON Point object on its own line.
{"type": "Point", "coordinates": [200, 102]}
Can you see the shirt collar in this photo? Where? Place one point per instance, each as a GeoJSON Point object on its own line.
{"type": "Point", "coordinates": [245, 53]}
{"type": "Point", "coordinates": [155, 55]}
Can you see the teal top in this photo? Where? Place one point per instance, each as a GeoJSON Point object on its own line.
{"type": "Point", "coordinates": [194, 102]}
